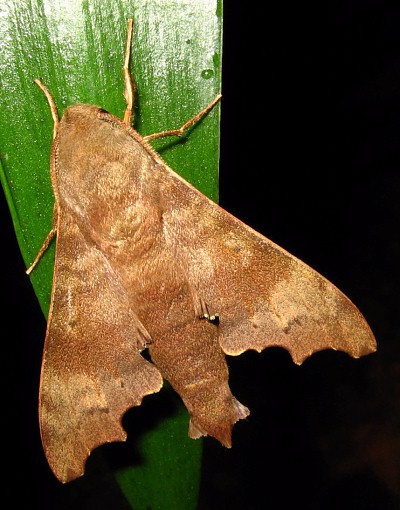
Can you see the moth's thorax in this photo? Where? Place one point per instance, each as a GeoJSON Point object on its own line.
{"type": "Point", "coordinates": [104, 177]}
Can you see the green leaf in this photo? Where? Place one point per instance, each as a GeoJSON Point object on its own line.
{"type": "Point", "coordinates": [76, 48]}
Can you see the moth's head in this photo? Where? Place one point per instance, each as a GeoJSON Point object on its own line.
{"type": "Point", "coordinates": [80, 116]}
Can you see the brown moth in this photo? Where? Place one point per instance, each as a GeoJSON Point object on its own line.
{"type": "Point", "coordinates": [144, 260]}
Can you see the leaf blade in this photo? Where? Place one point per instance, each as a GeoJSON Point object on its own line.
{"type": "Point", "coordinates": [76, 48]}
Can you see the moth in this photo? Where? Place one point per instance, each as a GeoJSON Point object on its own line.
{"type": "Point", "coordinates": [145, 261]}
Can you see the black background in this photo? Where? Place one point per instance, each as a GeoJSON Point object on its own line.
{"type": "Point", "coordinates": [310, 157]}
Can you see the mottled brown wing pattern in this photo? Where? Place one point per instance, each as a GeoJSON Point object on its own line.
{"type": "Point", "coordinates": [264, 295]}
{"type": "Point", "coordinates": [135, 238]}
{"type": "Point", "coordinates": [92, 370]}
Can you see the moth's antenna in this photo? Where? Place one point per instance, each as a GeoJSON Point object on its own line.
{"type": "Point", "coordinates": [52, 104]}
{"type": "Point", "coordinates": [129, 92]}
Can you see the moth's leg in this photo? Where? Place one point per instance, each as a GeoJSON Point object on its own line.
{"type": "Point", "coordinates": [129, 92]}
{"type": "Point", "coordinates": [52, 233]}
{"type": "Point", "coordinates": [204, 313]}
{"type": "Point", "coordinates": [45, 245]}
{"type": "Point", "coordinates": [52, 105]}
{"type": "Point", "coordinates": [193, 120]}
{"type": "Point", "coordinates": [214, 318]}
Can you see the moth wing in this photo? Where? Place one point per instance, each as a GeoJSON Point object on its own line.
{"type": "Point", "coordinates": [264, 295]}
{"type": "Point", "coordinates": [92, 370]}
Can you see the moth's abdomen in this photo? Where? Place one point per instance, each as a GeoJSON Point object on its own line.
{"type": "Point", "coordinates": [213, 410]}
{"type": "Point", "coordinates": [190, 358]}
